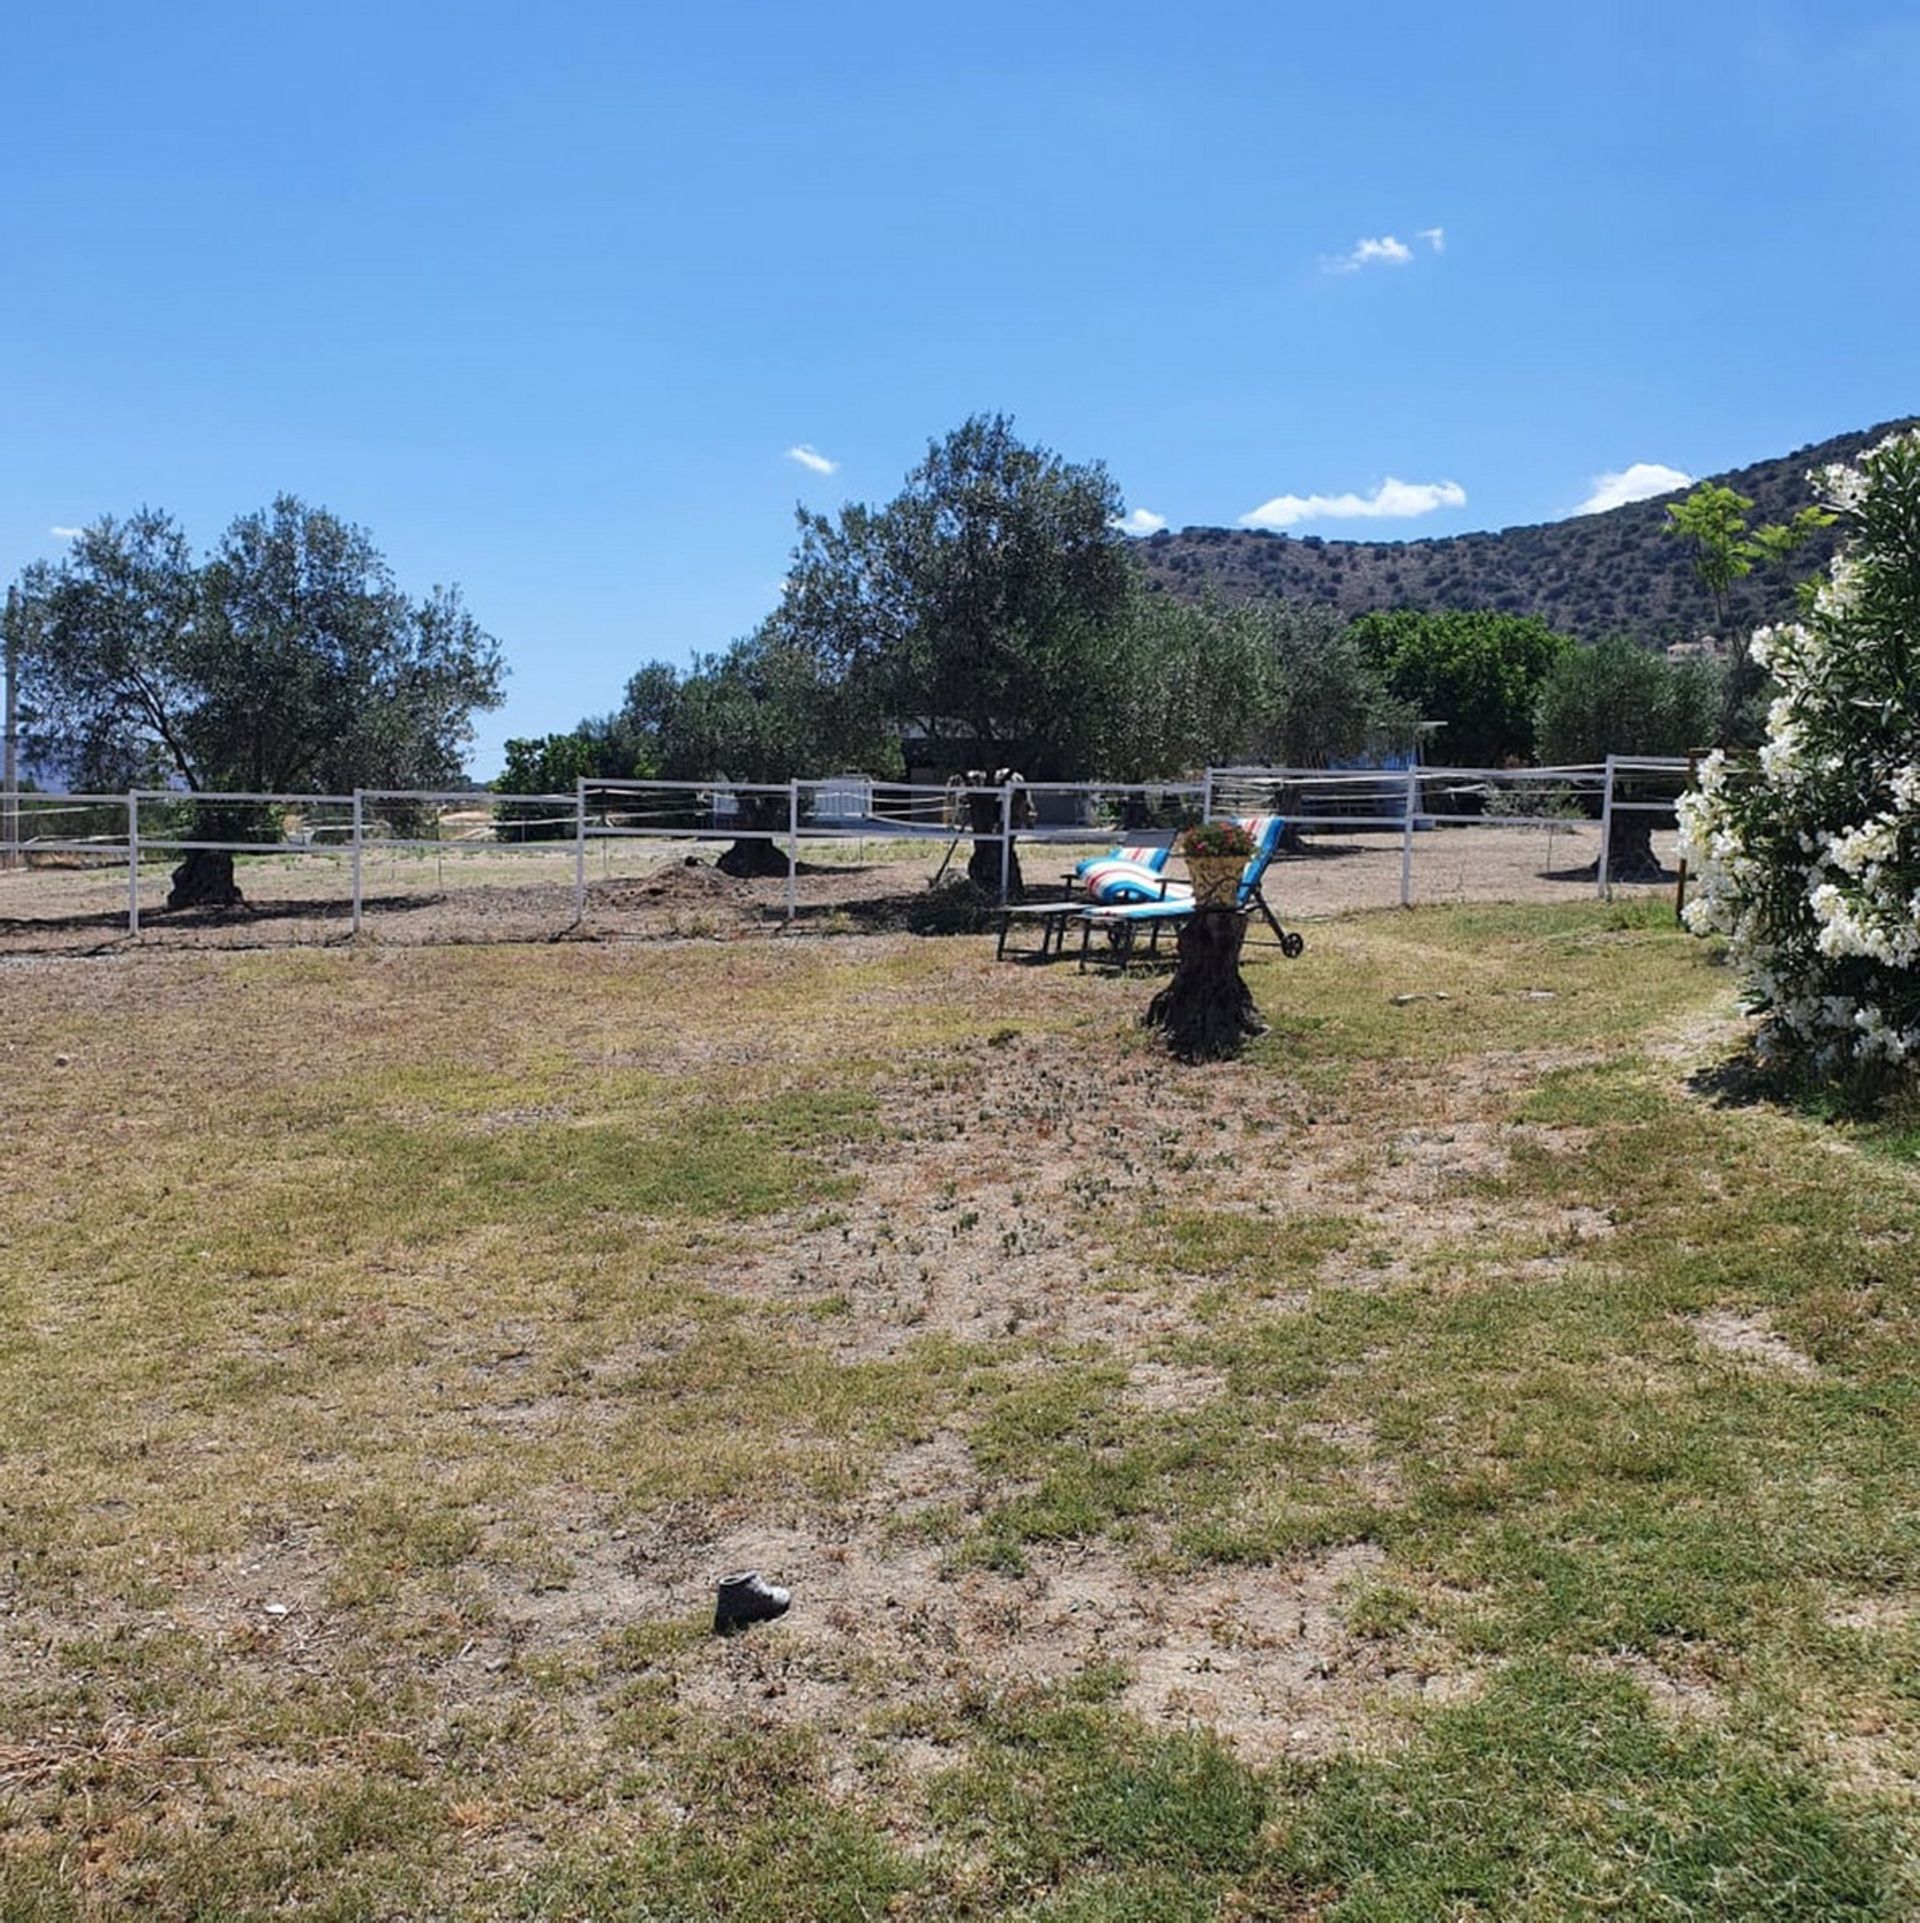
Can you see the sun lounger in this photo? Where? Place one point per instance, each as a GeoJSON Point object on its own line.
{"type": "Point", "coordinates": [1121, 918]}
{"type": "Point", "coordinates": [1136, 876]}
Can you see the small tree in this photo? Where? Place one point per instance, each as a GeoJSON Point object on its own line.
{"type": "Point", "coordinates": [1323, 700]}
{"type": "Point", "coordinates": [983, 604]}
{"type": "Point", "coordinates": [542, 765]}
{"type": "Point", "coordinates": [768, 710]}
{"type": "Point", "coordinates": [1618, 698]}
{"type": "Point", "coordinates": [1712, 520]}
{"type": "Point", "coordinates": [1809, 857]}
{"type": "Point", "coordinates": [1184, 681]}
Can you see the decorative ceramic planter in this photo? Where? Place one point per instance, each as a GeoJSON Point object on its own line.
{"type": "Point", "coordinates": [1215, 878]}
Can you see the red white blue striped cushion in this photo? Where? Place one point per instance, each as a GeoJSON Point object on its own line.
{"type": "Point", "coordinates": [1110, 879]}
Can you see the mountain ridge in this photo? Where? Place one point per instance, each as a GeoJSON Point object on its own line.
{"type": "Point", "coordinates": [1591, 575]}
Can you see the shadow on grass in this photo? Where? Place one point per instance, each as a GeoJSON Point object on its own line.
{"type": "Point", "coordinates": [953, 908]}
{"type": "Point", "coordinates": [98, 931]}
{"type": "Point", "coordinates": [1640, 874]}
{"type": "Point", "coordinates": [1880, 1111]}
{"type": "Point", "coordinates": [1740, 1081]}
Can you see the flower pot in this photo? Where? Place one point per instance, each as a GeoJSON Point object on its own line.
{"type": "Point", "coordinates": [1215, 879]}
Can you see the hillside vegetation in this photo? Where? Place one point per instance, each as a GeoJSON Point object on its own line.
{"type": "Point", "coordinates": [1594, 575]}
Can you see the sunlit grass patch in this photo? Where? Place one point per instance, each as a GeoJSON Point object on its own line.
{"type": "Point", "coordinates": [1558, 1795]}
{"type": "Point", "coordinates": [1262, 1252]}
{"type": "Point", "coordinates": [714, 1160]}
{"type": "Point", "coordinates": [1072, 1805]}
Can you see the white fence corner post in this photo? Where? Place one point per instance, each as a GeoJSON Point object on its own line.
{"type": "Point", "coordinates": [359, 820]}
{"type": "Point", "coordinates": [579, 849]}
{"type": "Point", "coordinates": [1006, 841]}
{"type": "Point", "coordinates": [1603, 868]}
{"type": "Point", "coordinates": [1406, 835]}
{"type": "Point", "coordinates": [793, 850]}
{"type": "Point", "coordinates": [1206, 797]}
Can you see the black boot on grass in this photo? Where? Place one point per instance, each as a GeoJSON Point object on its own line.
{"type": "Point", "coordinates": [747, 1598]}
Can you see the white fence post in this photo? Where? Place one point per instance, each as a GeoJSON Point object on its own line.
{"type": "Point", "coordinates": [133, 861]}
{"type": "Point", "coordinates": [793, 849]}
{"type": "Point", "coordinates": [1006, 841]}
{"type": "Point", "coordinates": [579, 849]}
{"type": "Point", "coordinates": [1406, 836]}
{"type": "Point", "coordinates": [1602, 869]}
{"type": "Point", "coordinates": [358, 839]}
{"type": "Point", "coordinates": [1206, 797]}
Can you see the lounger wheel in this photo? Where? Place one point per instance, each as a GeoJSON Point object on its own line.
{"type": "Point", "coordinates": [1293, 946]}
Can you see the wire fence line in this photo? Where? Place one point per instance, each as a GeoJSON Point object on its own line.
{"type": "Point", "coordinates": [319, 867]}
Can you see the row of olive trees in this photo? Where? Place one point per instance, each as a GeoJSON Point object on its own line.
{"type": "Point", "coordinates": [285, 661]}
{"type": "Point", "coordinates": [991, 614]}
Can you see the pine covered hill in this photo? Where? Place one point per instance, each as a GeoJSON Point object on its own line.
{"type": "Point", "coordinates": [1595, 575]}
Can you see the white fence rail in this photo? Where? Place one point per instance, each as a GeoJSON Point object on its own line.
{"type": "Point", "coordinates": [1323, 807]}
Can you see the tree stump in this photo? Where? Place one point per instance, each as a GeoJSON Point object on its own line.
{"type": "Point", "coordinates": [1630, 855]}
{"type": "Point", "coordinates": [1206, 1009]}
{"type": "Point", "coordinates": [752, 860]}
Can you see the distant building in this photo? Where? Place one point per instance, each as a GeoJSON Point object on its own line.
{"type": "Point", "coordinates": [1709, 647]}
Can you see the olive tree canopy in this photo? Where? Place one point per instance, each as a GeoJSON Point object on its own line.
{"type": "Point", "coordinates": [288, 661]}
{"type": "Point", "coordinates": [982, 605]}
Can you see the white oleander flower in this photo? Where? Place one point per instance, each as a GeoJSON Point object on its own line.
{"type": "Point", "coordinates": [1873, 842]}
{"type": "Point", "coordinates": [1839, 594]}
{"type": "Point", "coordinates": [1841, 487]}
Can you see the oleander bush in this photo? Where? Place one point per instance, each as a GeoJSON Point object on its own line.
{"type": "Point", "coordinates": [1808, 855]}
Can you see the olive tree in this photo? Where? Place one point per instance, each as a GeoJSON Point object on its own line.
{"type": "Point", "coordinates": [982, 606]}
{"type": "Point", "coordinates": [288, 661]}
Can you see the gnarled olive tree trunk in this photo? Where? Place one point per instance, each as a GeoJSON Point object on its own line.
{"type": "Point", "coordinates": [1206, 1010]}
{"type": "Point", "coordinates": [204, 878]}
{"type": "Point", "coordinates": [750, 857]}
{"type": "Point", "coordinates": [984, 819]}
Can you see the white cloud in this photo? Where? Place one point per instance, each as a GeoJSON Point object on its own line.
{"type": "Point", "coordinates": [1435, 237]}
{"type": "Point", "coordinates": [811, 457]}
{"type": "Point", "coordinates": [1141, 521]}
{"type": "Point", "coordinates": [1391, 501]}
{"type": "Point", "coordinates": [1383, 252]}
{"type": "Point", "coordinates": [1640, 482]}
{"type": "Point", "coordinates": [66, 533]}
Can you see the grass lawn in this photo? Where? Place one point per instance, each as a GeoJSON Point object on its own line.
{"type": "Point", "coordinates": [1443, 1465]}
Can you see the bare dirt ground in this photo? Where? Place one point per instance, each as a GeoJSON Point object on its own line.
{"type": "Point", "coordinates": [1000, 1218]}
{"type": "Point", "coordinates": [673, 890]}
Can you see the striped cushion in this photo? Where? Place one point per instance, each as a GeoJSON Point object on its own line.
{"type": "Point", "coordinates": [1120, 878]}
{"type": "Point", "coordinates": [1153, 858]}
{"type": "Point", "coordinates": [1109, 879]}
{"type": "Point", "coordinates": [1265, 830]}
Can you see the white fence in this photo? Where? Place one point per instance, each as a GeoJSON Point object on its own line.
{"type": "Point", "coordinates": [1405, 835]}
{"type": "Point", "coordinates": [1408, 802]}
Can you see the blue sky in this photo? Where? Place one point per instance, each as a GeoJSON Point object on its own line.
{"type": "Point", "coordinates": [543, 297]}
